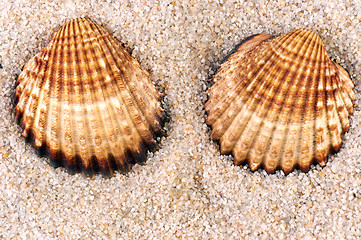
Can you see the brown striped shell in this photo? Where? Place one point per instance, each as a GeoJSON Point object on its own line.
{"type": "Point", "coordinates": [280, 102]}
{"type": "Point", "coordinates": [87, 103]}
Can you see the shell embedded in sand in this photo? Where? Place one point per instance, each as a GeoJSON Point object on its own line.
{"type": "Point", "coordinates": [280, 102]}
{"type": "Point", "coordinates": [87, 103]}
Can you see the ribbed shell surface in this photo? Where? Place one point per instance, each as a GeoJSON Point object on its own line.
{"type": "Point", "coordinates": [280, 102]}
{"type": "Point", "coordinates": [86, 102]}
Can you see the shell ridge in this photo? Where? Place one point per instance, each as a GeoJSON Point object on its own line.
{"type": "Point", "coordinates": [329, 108]}
{"type": "Point", "coordinates": [347, 103]}
{"type": "Point", "coordinates": [89, 43]}
{"type": "Point", "coordinates": [222, 111]}
{"type": "Point", "coordinates": [321, 116]}
{"type": "Point", "coordinates": [148, 104]}
{"type": "Point", "coordinates": [225, 73]}
{"type": "Point", "coordinates": [123, 85]}
{"type": "Point", "coordinates": [320, 111]}
{"type": "Point", "coordinates": [135, 153]}
{"type": "Point", "coordinates": [63, 82]}
{"type": "Point", "coordinates": [101, 95]}
{"type": "Point", "coordinates": [282, 44]}
{"type": "Point", "coordinates": [278, 136]}
{"type": "Point", "coordinates": [43, 84]}
{"type": "Point", "coordinates": [68, 137]}
{"type": "Point", "coordinates": [229, 64]}
{"type": "Point", "coordinates": [121, 163]}
{"type": "Point", "coordinates": [219, 109]}
{"type": "Point", "coordinates": [291, 147]}
{"type": "Point", "coordinates": [262, 105]}
{"type": "Point", "coordinates": [110, 109]}
{"type": "Point", "coordinates": [26, 100]}
{"type": "Point", "coordinates": [240, 122]}
{"type": "Point", "coordinates": [346, 81]}
{"type": "Point", "coordinates": [220, 106]}
{"type": "Point", "coordinates": [148, 84]}
{"type": "Point", "coordinates": [266, 100]}
{"type": "Point", "coordinates": [259, 105]}
{"type": "Point", "coordinates": [87, 148]}
{"type": "Point", "coordinates": [348, 97]}
{"type": "Point", "coordinates": [255, 151]}
{"type": "Point", "coordinates": [20, 84]}
{"type": "Point", "coordinates": [283, 41]}
{"type": "Point", "coordinates": [223, 122]}
{"type": "Point", "coordinates": [140, 92]}
{"type": "Point", "coordinates": [54, 40]}
{"type": "Point", "coordinates": [306, 154]}
{"type": "Point", "coordinates": [42, 117]}
{"type": "Point", "coordinates": [123, 106]}
{"type": "Point", "coordinates": [253, 100]}
{"type": "Point", "coordinates": [138, 95]}
{"type": "Point", "coordinates": [54, 127]}
{"type": "Point", "coordinates": [341, 105]}
{"type": "Point", "coordinates": [346, 88]}
{"type": "Point", "coordinates": [273, 68]}
{"type": "Point", "coordinates": [250, 43]}
{"type": "Point", "coordinates": [139, 120]}
{"type": "Point", "coordinates": [315, 109]}
{"type": "Point", "coordinates": [263, 45]}
{"type": "Point", "coordinates": [333, 119]}
{"type": "Point", "coordinates": [308, 115]}
{"type": "Point", "coordinates": [149, 88]}
{"type": "Point", "coordinates": [76, 162]}
{"type": "Point", "coordinates": [148, 137]}
{"type": "Point", "coordinates": [23, 95]}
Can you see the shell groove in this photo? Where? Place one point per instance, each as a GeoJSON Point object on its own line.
{"type": "Point", "coordinates": [85, 102]}
{"type": "Point", "coordinates": [280, 102]}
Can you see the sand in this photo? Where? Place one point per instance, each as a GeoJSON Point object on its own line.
{"type": "Point", "coordinates": [186, 189]}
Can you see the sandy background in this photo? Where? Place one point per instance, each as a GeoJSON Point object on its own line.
{"type": "Point", "coordinates": [186, 190]}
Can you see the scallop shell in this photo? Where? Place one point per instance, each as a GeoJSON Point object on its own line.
{"type": "Point", "coordinates": [280, 102]}
{"type": "Point", "coordinates": [85, 102]}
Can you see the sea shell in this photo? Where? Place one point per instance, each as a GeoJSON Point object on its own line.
{"type": "Point", "coordinates": [280, 102]}
{"type": "Point", "coordinates": [87, 103]}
